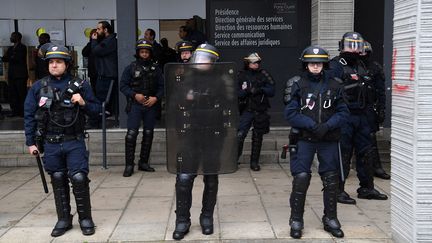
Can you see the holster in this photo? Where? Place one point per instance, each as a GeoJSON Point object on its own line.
{"type": "Point", "coordinates": [293, 139]}
{"type": "Point", "coordinates": [128, 105]}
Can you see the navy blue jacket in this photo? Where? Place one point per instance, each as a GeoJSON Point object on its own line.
{"type": "Point", "coordinates": [296, 119]}
{"type": "Point", "coordinates": [127, 79]}
{"type": "Point", "coordinates": [105, 54]}
{"type": "Point", "coordinates": [92, 105]}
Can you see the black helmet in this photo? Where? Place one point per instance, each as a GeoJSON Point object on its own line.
{"type": "Point", "coordinates": [351, 42]}
{"type": "Point", "coordinates": [184, 46]}
{"type": "Point", "coordinates": [314, 54]}
{"type": "Point", "coordinates": [252, 58]}
{"type": "Point", "coordinates": [143, 44]}
{"type": "Point", "coordinates": [205, 53]}
{"type": "Point", "coordinates": [56, 51]}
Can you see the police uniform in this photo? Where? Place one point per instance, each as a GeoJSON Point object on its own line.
{"type": "Point", "coordinates": [182, 46]}
{"type": "Point", "coordinates": [355, 134]}
{"type": "Point", "coordinates": [254, 89]}
{"type": "Point", "coordinates": [376, 106]}
{"type": "Point", "coordinates": [201, 100]}
{"type": "Point", "coordinates": [140, 77]}
{"type": "Point", "coordinates": [316, 109]}
{"type": "Point", "coordinates": [57, 126]}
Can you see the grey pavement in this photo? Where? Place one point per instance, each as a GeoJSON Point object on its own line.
{"type": "Point", "coordinates": [251, 207]}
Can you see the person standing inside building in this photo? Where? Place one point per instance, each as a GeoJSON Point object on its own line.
{"type": "Point", "coordinates": [355, 134]}
{"type": "Point", "coordinates": [54, 120]}
{"type": "Point", "coordinates": [91, 66]}
{"type": "Point", "coordinates": [376, 105]}
{"type": "Point", "coordinates": [316, 110]}
{"type": "Point", "coordinates": [167, 53]}
{"type": "Point", "coordinates": [255, 87]}
{"type": "Point", "coordinates": [41, 67]}
{"type": "Point", "coordinates": [149, 36]}
{"type": "Point", "coordinates": [143, 85]}
{"type": "Point", "coordinates": [104, 50]}
{"type": "Point", "coordinates": [16, 56]}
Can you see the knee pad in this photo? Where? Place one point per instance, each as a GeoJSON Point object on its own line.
{"type": "Point", "coordinates": [131, 135]}
{"type": "Point", "coordinates": [59, 178]}
{"type": "Point", "coordinates": [185, 179]}
{"type": "Point", "coordinates": [211, 180]}
{"type": "Point", "coordinates": [330, 178]}
{"type": "Point", "coordinates": [79, 179]}
{"type": "Point", "coordinates": [148, 132]}
{"type": "Point", "coordinates": [241, 135]}
{"type": "Point", "coordinates": [301, 181]}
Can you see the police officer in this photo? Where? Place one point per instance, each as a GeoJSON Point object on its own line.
{"type": "Point", "coordinates": [376, 106]}
{"type": "Point", "coordinates": [356, 132]}
{"type": "Point", "coordinates": [204, 53]}
{"type": "Point", "coordinates": [317, 109]}
{"type": "Point", "coordinates": [184, 50]}
{"type": "Point", "coordinates": [255, 86]}
{"type": "Point", "coordinates": [54, 119]}
{"type": "Point", "coordinates": [142, 84]}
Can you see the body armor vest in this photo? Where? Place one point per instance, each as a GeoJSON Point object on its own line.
{"type": "Point", "coordinates": [320, 108]}
{"type": "Point", "coordinates": [358, 85]}
{"type": "Point", "coordinates": [144, 80]}
{"type": "Point", "coordinates": [55, 114]}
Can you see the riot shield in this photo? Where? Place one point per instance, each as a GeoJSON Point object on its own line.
{"type": "Point", "coordinates": [201, 118]}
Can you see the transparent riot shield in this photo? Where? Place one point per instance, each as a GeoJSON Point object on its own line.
{"type": "Point", "coordinates": [201, 118]}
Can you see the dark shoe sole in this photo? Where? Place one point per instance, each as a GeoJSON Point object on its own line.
{"type": "Point", "coordinates": [330, 230]}
{"type": "Point", "coordinates": [62, 233]}
{"type": "Point", "coordinates": [182, 236]}
{"type": "Point", "coordinates": [372, 198]}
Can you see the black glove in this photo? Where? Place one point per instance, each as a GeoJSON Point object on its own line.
{"type": "Point", "coordinates": [320, 130]}
{"type": "Point", "coordinates": [380, 116]}
{"type": "Point", "coordinates": [256, 91]}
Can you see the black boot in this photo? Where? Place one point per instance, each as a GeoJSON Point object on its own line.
{"type": "Point", "coordinates": [297, 201]}
{"type": "Point", "coordinates": [256, 151]}
{"type": "Point", "coordinates": [344, 197]}
{"type": "Point", "coordinates": [211, 183]}
{"type": "Point", "coordinates": [130, 143]}
{"type": "Point", "coordinates": [370, 193]}
{"type": "Point", "coordinates": [81, 191]}
{"type": "Point", "coordinates": [184, 184]}
{"type": "Point", "coordinates": [60, 185]}
{"type": "Point", "coordinates": [331, 223]}
{"type": "Point", "coordinates": [146, 144]}
{"type": "Point", "coordinates": [240, 141]}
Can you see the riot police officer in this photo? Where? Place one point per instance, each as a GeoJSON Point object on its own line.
{"type": "Point", "coordinates": [255, 86]}
{"type": "Point", "coordinates": [317, 110]}
{"type": "Point", "coordinates": [184, 50]}
{"type": "Point", "coordinates": [54, 119]}
{"type": "Point", "coordinates": [203, 100]}
{"type": "Point", "coordinates": [376, 106]}
{"type": "Point", "coordinates": [355, 134]}
{"type": "Point", "coordinates": [142, 84]}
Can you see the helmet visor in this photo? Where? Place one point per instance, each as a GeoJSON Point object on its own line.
{"type": "Point", "coordinates": [204, 56]}
{"type": "Point", "coordinates": [352, 45]}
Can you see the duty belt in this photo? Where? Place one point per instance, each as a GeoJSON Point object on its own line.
{"type": "Point", "coordinates": [62, 138]}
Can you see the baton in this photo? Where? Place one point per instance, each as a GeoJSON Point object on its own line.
{"type": "Point", "coordinates": [340, 163]}
{"type": "Point", "coordinates": [41, 171]}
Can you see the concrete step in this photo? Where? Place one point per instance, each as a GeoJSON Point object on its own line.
{"type": "Point", "coordinates": [13, 151]}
